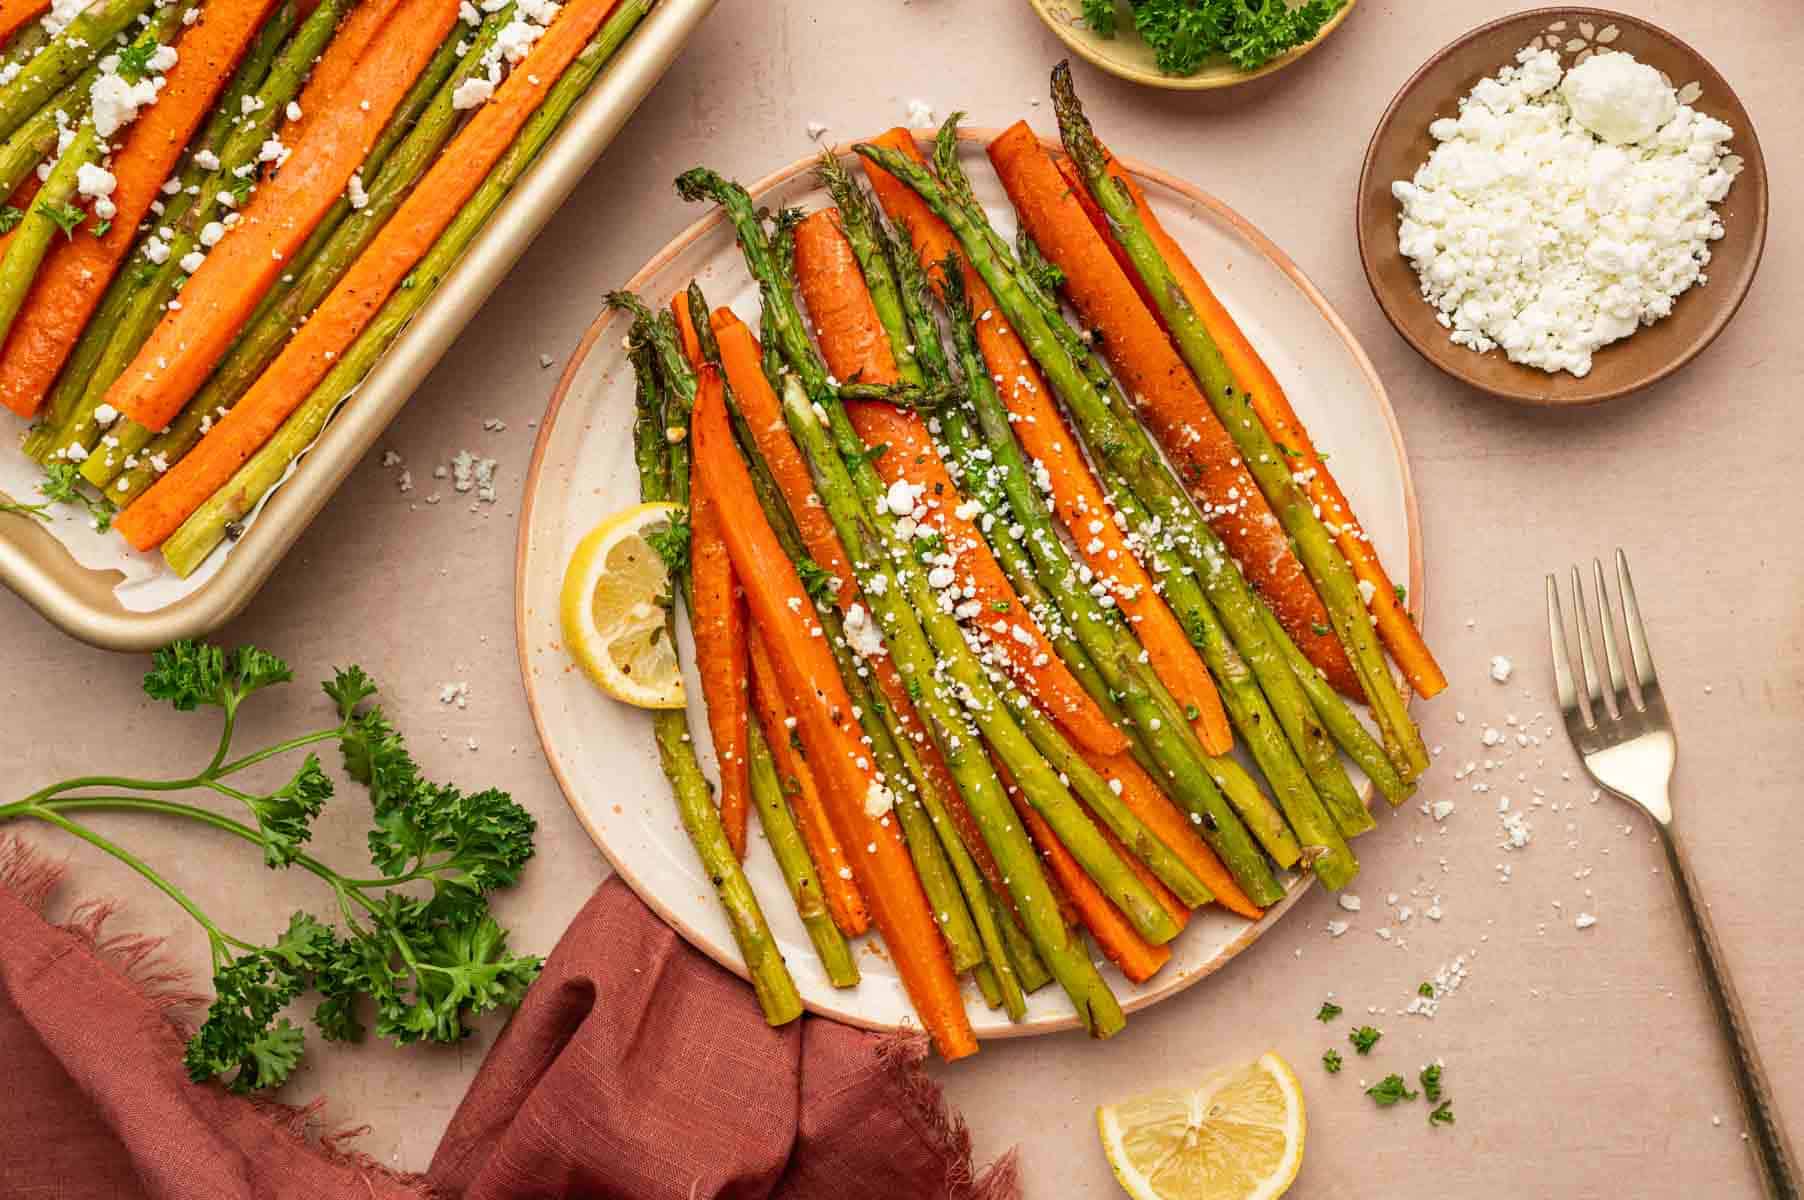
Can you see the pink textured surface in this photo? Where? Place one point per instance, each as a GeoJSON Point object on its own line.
{"type": "Point", "coordinates": [1586, 1058]}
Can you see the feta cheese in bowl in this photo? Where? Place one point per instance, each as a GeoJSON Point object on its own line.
{"type": "Point", "coordinates": [1547, 190]}
{"type": "Point", "coordinates": [1562, 210]}
{"type": "Point", "coordinates": [1618, 99]}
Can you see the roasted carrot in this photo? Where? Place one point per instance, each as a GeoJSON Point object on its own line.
{"type": "Point", "coordinates": [837, 884]}
{"type": "Point", "coordinates": [339, 64]}
{"type": "Point", "coordinates": [856, 346]}
{"type": "Point", "coordinates": [1257, 382]}
{"type": "Point", "coordinates": [221, 296]}
{"type": "Point", "coordinates": [1077, 495]}
{"type": "Point", "coordinates": [851, 336]}
{"type": "Point", "coordinates": [15, 13]}
{"type": "Point", "coordinates": [823, 711]}
{"type": "Point", "coordinates": [718, 620]}
{"type": "Point", "coordinates": [1144, 798]}
{"type": "Point", "coordinates": [1167, 396]}
{"type": "Point", "coordinates": [742, 357]}
{"type": "Point", "coordinates": [76, 273]}
{"type": "Point", "coordinates": [1137, 958]}
{"type": "Point", "coordinates": [758, 403]}
{"type": "Point", "coordinates": [1168, 899]}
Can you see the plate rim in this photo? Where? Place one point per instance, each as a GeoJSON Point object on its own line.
{"type": "Point", "coordinates": [1750, 150]}
{"type": "Point", "coordinates": [1172, 985]}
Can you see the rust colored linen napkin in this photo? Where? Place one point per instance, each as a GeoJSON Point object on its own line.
{"type": "Point", "coordinates": [636, 1069]}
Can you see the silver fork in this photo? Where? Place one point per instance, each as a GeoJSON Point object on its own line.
{"type": "Point", "coordinates": [1626, 740]}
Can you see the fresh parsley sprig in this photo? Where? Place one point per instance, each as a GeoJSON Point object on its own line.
{"type": "Point", "coordinates": [415, 944]}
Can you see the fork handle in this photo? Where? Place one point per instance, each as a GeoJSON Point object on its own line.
{"type": "Point", "coordinates": [1772, 1151]}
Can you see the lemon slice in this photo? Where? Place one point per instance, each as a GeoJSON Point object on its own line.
{"type": "Point", "coordinates": [1238, 1135]}
{"type": "Point", "coordinates": [617, 591]}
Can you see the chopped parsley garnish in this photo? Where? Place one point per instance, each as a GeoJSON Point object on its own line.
{"type": "Point", "coordinates": [1000, 606]}
{"type": "Point", "coordinates": [1364, 1038]}
{"type": "Point", "coordinates": [1331, 1061]}
{"type": "Point", "coordinates": [102, 229]}
{"type": "Point", "coordinates": [10, 216]}
{"type": "Point", "coordinates": [1099, 15]}
{"type": "Point", "coordinates": [62, 484]}
{"type": "Point", "coordinates": [1319, 629]}
{"type": "Point", "coordinates": [1425, 989]}
{"type": "Point", "coordinates": [134, 60]}
{"type": "Point", "coordinates": [1442, 1114]}
{"type": "Point", "coordinates": [1390, 1090]}
{"type": "Point", "coordinates": [672, 542]}
{"type": "Point", "coordinates": [1192, 712]}
{"type": "Point", "coordinates": [1431, 1081]}
{"type": "Point", "coordinates": [66, 217]}
{"type": "Point", "coordinates": [1402, 593]}
{"type": "Point", "coordinates": [1328, 1011]}
{"type": "Point", "coordinates": [816, 579]}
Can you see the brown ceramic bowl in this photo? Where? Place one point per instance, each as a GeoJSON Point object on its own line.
{"type": "Point", "coordinates": [1402, 143]}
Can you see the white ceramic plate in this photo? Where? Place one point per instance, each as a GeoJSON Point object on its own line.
{"type": "Point", "coordinates": [582, 469]}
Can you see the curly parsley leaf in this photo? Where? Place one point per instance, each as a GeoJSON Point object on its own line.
{"type": "Point", "coordinates": [244, 1040]}
{"type": "Point", "coordinates": [1331, 1061]}
{"type": "Point", "coordinates": [1431, 1081]}
{"type": "Point", "coordinates": [1328, 1011]}
{"type": "Point", "coordinates": [285, 816]}
{"type": "Point", "coordinates": [466, 845]}
{"type": "Point", "coordinates": [10, 218]}
{"type": "Point", "coordinates": [1442, 1113]}
{"type": "Point", "coordinates": [1364, 1038]}
{"type": "Point", "coordinates": [1099, 15]}
{"type": "Point", "coordinates": [1390, 1090]}
{"type": "Point", "coordinates": [188, 674]}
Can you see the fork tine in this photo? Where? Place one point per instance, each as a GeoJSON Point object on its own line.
{"type": "Point", "coordinates": [1606, 622]}
{"type": "Point", "coordinates": [1562, 658]}
{"type": "Point", "coordinates": [1594, 689]}
{"type": "Point", "coordinates": [1644, 661]}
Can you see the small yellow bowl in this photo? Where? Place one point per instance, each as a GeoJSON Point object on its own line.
{"type": "Point", "coordinates": [1128, 56]}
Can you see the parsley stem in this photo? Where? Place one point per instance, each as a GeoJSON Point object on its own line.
{"type": "Point", "coordinates": [206, 817]}
{"type": "Point", "coordinates": [214, 933]}
{"type": "Point", "coordinates": [275, 751]}
{"type": "Point", "coordinates": [99, 781]}
{"type": "Point", "coordinates": [225, 737]}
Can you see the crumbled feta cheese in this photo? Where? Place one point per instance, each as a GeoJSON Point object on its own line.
{"type": "Point", "coordinates": [1531, 232]}
{"type": "Point", "coordinates": [878, 800]}
{"type": "Point", "coordinates": [1501, 668]}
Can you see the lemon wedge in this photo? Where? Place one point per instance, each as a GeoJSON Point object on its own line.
{"type": "Point", "coordinates": [617, 592]}
{"type": "Point", "coordinates": [1237, 1135]}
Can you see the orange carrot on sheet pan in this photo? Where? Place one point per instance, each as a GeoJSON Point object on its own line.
{"type": "Point", "coordinates": [75, 275]}
{"type": "Point", "coordinates": [220, 297]}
